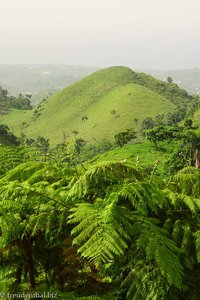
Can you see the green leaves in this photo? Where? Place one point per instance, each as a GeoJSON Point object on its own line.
{"type": "Point", "coordinates": [121, 219]}
{"type": "Point", "coordinates": [101, 232]}
{"type": "Point", "coordinates": [29, 203]}
{"type": "Point", "coordinates": [119, 225]}
{"type": "Point", "coordinates": [162, 250]}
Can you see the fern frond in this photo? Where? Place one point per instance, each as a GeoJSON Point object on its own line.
{"type": "Point", "coordinates": [142, 195]}
{"type": "Point", "coordinates": [177, 233]}
{"type": "Point", "coordinates": [101, 230]}
{"type": "Point", "coordinates": [163, 250]}
{"type": "Point", "coordinates": [169, 264]}
{"type": "Point", "coordinates": [97, 180]}
{"type": "Point", "coordinates": [187, 181]}
{"type": "Point", "coordinates": [140, 282]}
{"type": "Point", "coordinates": [182, 201]}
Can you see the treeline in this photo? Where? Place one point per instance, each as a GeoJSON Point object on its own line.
{"type": "Point", "coordinates": [7, 102]}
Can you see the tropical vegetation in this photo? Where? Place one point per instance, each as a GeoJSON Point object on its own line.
{"type": "Point", "coordinates": [116, 219]}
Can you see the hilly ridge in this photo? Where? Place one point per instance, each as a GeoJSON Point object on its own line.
{"type": "Point", "coordinates": [98, 106]}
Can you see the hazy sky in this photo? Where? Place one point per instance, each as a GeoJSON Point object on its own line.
{"type": "Point", "coordinates": [136, 33]}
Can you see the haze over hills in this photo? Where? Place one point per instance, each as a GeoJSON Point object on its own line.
{"type": "Point", "coordinates": [98, 106]}
{"type": "Point", "coordinates": [39, 80]}
{"type": "Point", "coordinates": [44, 80]}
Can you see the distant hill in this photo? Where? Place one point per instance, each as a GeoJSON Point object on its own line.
{"type": "Point", "coordinates": [42, 81]}
{"type": "Point", "coordinates": [39, 80]}
{"type": "Point", "coordinates": [98, 106]}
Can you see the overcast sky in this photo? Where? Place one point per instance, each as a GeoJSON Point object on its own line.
{"type": "Point", "coordinates": [136, 33]}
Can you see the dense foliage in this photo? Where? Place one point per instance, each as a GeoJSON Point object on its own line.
{"type": "Point", "coordinates": [113, 229]}
{"type": "Point", "coordinates": [7, 137]}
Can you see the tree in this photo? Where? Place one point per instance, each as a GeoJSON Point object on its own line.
{"type": "Point", "coordinates": [159, 120]}
{"type": "Point", "coordinates": [43, 145]}
{"type": "Point", "coordinates": [3, 101]}
{"type": "Point", "coordinates": [7, 137]}
{"type": "Point", "coordinates": [35, 239]}
{"type": "Point", "coordinates": [192, 137]}
{"type": "Point", "coordinates": [84, 118]}
{"type": "Point", "coordinates": [147, 123]}
{"type": "Point", "coordinates": [188, 123]}
{"type": "Point", "coordinates": [29, 215]}
{"type": "Point", "coordinates": [161, 133]}
{"type": "Point", "coordinates": [75, 132]}
{"type": "Point", "coordinates": [128, 221]}
{"type": "Point", "coordinates": [146, 232]}
{"type": "Point", "coordinates": [169, 79]}
{"type": "Point", "coordinates": [23, 102]}
{"type": "Point", "coordinates": [113, 112]}
{"type": "Point", "coordinates": [122, 138]}
{"type": "Point", "coordinates": [177, 115]}
{"type": "Point", "coordinates": [186, 150]}
{"type": "Point", "coordinates": [79, 144]}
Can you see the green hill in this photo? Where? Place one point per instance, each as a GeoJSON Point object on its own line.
{"type": "Point", "coordinates": [97, 106]}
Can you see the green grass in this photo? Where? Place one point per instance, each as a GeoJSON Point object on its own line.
{"type": "Point", "coordinates": [197, 116]}
{"type": "Point", "coordinates": [95, 96]}
{"type": "Point", "coordinates": [141, 154]}
{"type": "Point", "coordinates": [15, 118]}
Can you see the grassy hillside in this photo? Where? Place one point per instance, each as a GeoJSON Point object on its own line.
{"type": "Point", "coordinates": [188, 79]}
{"type": "Point", "coordinates": [110, 99]}
{"type": "Point", "coordinates": [141, 153]}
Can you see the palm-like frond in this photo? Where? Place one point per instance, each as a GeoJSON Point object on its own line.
{"type": "Point", "coordinates": [187, 181]}
{"type": "Point", "coordinates": [181, 201]}
{"type": "Point", "coordinates": [108, 227]}
{"type": "Point", "coordinates": [95, 182]}
{"type": "Point", "coordinates": [101, 230]}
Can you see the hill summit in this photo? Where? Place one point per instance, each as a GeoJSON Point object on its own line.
{"type": "Point", "coordinates": [98, 106]}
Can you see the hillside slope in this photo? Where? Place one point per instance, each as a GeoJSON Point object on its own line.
{"type": "Point", "coordinates": [97, 106]}
{"type": "Point", "coordinates": [188, 79]}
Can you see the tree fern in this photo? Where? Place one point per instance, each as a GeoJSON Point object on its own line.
{"type": "Point", "coordinates": [126, 225]}
{"type": "Point", "coordinates": [101, 232]}
{"type": "Point", "coordinates": [187, 181]}
{"type": "Point", "coordinates": [97, 180]}
{"type": "Point", "coordinates": [120, 223]}
{"type": "Point", "coordinates": [181, 201]}
{"type": "Point", "coordinates": [29, 210]}
{"type": "Point", "coordinates": [140, 282]}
